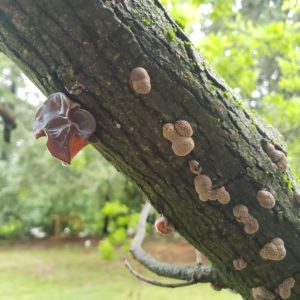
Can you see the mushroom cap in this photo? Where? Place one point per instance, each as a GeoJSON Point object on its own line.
{"type": "Point", "coordinates": [163, 225]}
{"type": "Point", "coordinates": [284, 289]}
{"type": "Point", "coordinates": [202, 184]}
{"type": "Point", "coordinates": [140, 81]}
{"type": "Point", "coordinates": [274, 250]}
{"type": "Point", "coordinates": [222, 195]}
{"type": "Point", "coordinates": [251, 225]}
{"type": "Point", "coordinates": [169, 132]}
{"type": "Point", "coordinates": [195, 167]}
{"type": "Point", "coordinates": [183, 146]}
{"type": "Point", "coordinates": [239, 264]}
{"type": "Point", "coordinates": [265, 199]}
{"type": "Point", "coordinates": [240, 211]}
{"type": "Point", "coordinates": [261, 293]}
{"type": "Point", "coordinates": [183, 128]}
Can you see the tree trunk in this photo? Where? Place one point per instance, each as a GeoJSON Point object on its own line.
{"type": "Point", "coordinates": [98, 43]}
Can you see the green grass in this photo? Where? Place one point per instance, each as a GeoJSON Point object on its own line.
{"type": "Point", "coordinates": [72, 273]}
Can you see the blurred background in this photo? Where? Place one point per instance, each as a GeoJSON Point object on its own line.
{"type": "Point", "coordinates": [64, 231]}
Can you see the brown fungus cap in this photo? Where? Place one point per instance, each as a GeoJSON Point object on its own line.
{"type": "Point", "coordinates": [261, 293]}
{"type": "Point", "coordinates": [140, 81]}
{"type": "Point", "coordinates": [239, 264]}
{"type": "Point", "coordinates": [285, 288]}
{"type": "Point", "coordinates": [265, 199]}
{"type": "Point", "coordinates": [183, 128]}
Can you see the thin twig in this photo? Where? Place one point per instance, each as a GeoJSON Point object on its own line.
{"type": "Point", "coordinates": [154, 282]}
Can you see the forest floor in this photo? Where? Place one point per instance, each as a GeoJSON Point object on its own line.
{"type": "Point", "coordinates": [66, 270]}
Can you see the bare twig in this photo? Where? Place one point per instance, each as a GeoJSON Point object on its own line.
{"type": "Point", "coordinates": [191, 274]}
{"type": "Point", "coordinates": [154, 282]}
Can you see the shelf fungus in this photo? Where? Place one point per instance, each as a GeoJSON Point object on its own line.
{"type": "Point", "coordinates": [181, 137]}
{"type": "Point", "coordinates": [285, 288]}
{"type": "Point", "coordinates": [277, 156]}
{"type": "Point", "coordinates": [241, 213]}
{"type": "Point", "coordinates": [265, 199]}
{"type": "Point", "coordinates": [273, 250]}
{"type": "Point", "coordinates": [239, 264]}
{"type": "Point", "coordinates": [203, 187]}
{"type": "Point", "coordinates": [261, 293]}
{"type": "Point", "coordinates": [67, 126]}
{"type": "Point", "coordinates": [140, 81]}
{"type": "Point", "coordinates": [163, 225]}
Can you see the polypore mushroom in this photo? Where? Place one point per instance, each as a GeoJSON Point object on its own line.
{"type": "Point", "coordinates": [195, 167]}
{"type": "Point", "coordinates": [277, 156]}
{"type": "Point", "coordinates": [67, 126]}
{"type": "Point", "coordinates": [273, 250]}
{"type": "Point", "coordinates": [265, 199]}
{"type": "Point", "coordinates": [239, 264]}
{"type": "Point", "coordinates": [140, 81]}
{"type": "Point", "coordinates": [241, 213]}
{"type": "Point", "coordinates": [183, 128]}
{"type": "Point", "coordinates": [203, 187]}
{"type": "Point", "coordinates": [285, 288]}
{"type": "Point", "coordinates": [181, 145]}
{"type": "Point", "coordinates": [163, 225]}
{"type": "Point", "coordinates": [261, 293]}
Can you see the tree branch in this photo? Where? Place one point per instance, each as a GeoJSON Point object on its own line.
{"type": "Point", "coordinates": [157, 283]}
{"type": "Point", "coordinates": [191, 274]}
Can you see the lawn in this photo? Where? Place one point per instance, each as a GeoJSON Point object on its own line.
{"type": "Point", "coordinates": [72, 272]}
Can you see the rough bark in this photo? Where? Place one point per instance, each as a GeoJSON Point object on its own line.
{"type": "Point", "coordinates": [97, 43]}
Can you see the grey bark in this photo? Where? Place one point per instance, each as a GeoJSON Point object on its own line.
{"type": "Point", "coordinates": [97, 43]}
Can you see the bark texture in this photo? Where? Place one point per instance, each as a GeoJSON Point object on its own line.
{"type": "Point", "coordinates": [98, 43]}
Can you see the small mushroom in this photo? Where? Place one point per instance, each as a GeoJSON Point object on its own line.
{"type": "Point", "coordinates": [239, 264]}
{"type": "Point", "coordinates": [241, 213]}
{"type": "Point", "coordinates": [203, 187]}
{"type": "Point", "coordinates": [273, 250]}
{"type": "Point", "coordinates": [195, 167]}
{"type": "Point", "coordinates": [285, 288]}
{"type": "Point", "coordinates": [140, 81]}
{"type": "Point", "coordinates": [265, 199]}
{"type": "Point", "coordinates": [261, 293]}
{"type": "Point", "coordinates": [277, 156]}
{"type": "Point", "coordinates": [183, 128]}
{"type": "Point", "coordinates": [181, 145]}
{"type": "Point", "coordinates": [163, 225]}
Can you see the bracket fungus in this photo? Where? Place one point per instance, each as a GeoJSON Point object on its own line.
{"type": "Point", "coordinates": [265, 199]}
{"type": "Point", "coordinates": [67, 126]}
{"type": "Point", "coordinates": [163, 225]}
{"type": "Point", "coordinates": [181, 137]}
{"type": "Point", "coordinates": [241, 213]}
{"type": "Point", "coordinates": [285, 288]}
{"type": "Point", "coordinates": [203, 187]}
{"type": "Point", "coordinates": [273, 250]}
{"type": "Point", "coordinates": [239, 264]}
{"type": "Point", "coordinates": [277, 156]}
{"type": "Point", "coordinates": [140, 81]}
{"type": "Point", "coordinates": [261, 293]}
